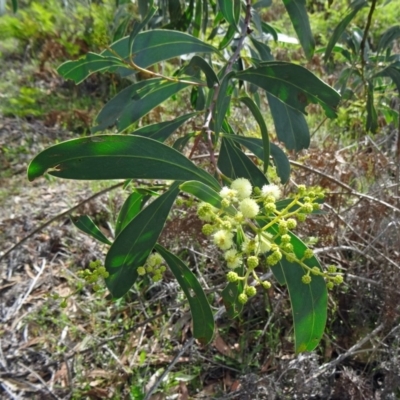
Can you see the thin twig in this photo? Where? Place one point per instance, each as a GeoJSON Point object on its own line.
{"type": "Point", "coordinates": [325, 367]}
{"type": "Point", "coordinates": [57, 217]}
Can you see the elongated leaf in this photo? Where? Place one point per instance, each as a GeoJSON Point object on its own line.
{"type": "Point", "coordinates": [204, 193]}
{"type": "Point", "coordinates": [85, 224]}
{"type": "Point", "coordinates": [134, 244]}
{"type": "Point", "coordinates": [129, 210]}
{"type": "Point", "coordinates": [233, 163]}
{"type": "Point", "coordinates": [309, 302]}
{"type": "Point", "coordinates": [290, 125]}
{"type": "Point", "coordinates": [132, 103]}
{"type": "Point", "coordinates": [182, 141]}
{"type": "Point", "coordinates": [138, 26]}
{"type": "Point", "coordinates": [198, 64]}
{"type": "Point", "coordinates": [203, 319]}
{"type": "Point", "coordinates": [223, 100]}
{"type": "Point", "coordinates": [162, 130]}
{"type": "Point", "coordinates": [197, 18]}
{"type": "Point", "coordinates": [388, 37]}
{"type": "Point", "coordinates": [153, 46]}
{"type": "Point", "coordinates": [355, 7]}
{"type": "Point", "coordinates": [298, 14]}
{"type": "Point", "coordinates": [255, 145]}
{"type": "Point", "coordinates": [227, 39]}
{"type": "Point", "coordinates": [80, 69]}
{"type": "Point", "coordinates": [116, 157]}
{"type": "Point", "coordinates": [294, 85]}
{"type": "Point", "coordinates": [230, 296]}
{"type": "Point", "coordinates": [227, 8]}
{"type": "Point", "coordinates": [393, 72]}
{"type": "Point", "coordinates": [263, 128]}
{"type": "Point", "coordinates": [372, 117]}
{"type": "Point", "coordinates": [263, 50]}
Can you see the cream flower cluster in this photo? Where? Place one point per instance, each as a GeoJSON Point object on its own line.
{"type": "Point", "coordinates": [252, 227]}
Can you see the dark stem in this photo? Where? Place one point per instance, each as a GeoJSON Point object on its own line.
{"type": "Point", "coordinates": [365, 36]}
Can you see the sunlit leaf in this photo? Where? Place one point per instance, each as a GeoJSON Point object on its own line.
{"type": "Point", "coordinates": [203, 319]}
{"type": "Point", "coordinates": [294, 85]}
{"type": "Point", "coordinates": [85, 224]}
{"type": "Point", "coordinates": [229, 9]}
{"type": "Point", "coordinates": [298, 14]}
{"type": "Point", "coordinates": [134, 244]}
{"type": "Point", "coordinates": [116, 157]}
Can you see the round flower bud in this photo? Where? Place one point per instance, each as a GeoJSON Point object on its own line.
{"type": "Point", "coordinates": [285, 238]}
{"type": "Point", "coordinates": [266, 285]}
{"type": "Point", "coordinates": [243, 188]}
{"type": "Point", "coordinates": [306, 279]}
{"type": "Point", "coordinates": [316, 206]}
{"type": "Point", "coordinates": [141, 271]}
{"type": "Point", "coordinates": [242, 298]}
{"type": "Point", "coordinates": [308, 254]}
{"type": "Point", "coordinates": [271, 260]}
{"type": "Point", "coordinates": [157, 278]}
{"type": "Point", "coordinates": [179, 202]}
{"type": "Point", "coordinates": [291, 223]}
{"type": "Point", "coordinates": [330, 285]}
{"type": "Point", "coordinates": [154, 259]}
{"type": "Point", "coordinates": [256, 191]}
{"type": "Point", "coordinates": [269, 207]}
{"type": "Point", "coordinates": [301, 217]}
{"type": "Point", "coordinates": [226, 225]}
{"type": "Point", "coordinates": [225, 203]}
{"type": "Point", "coordinates": [96, 287]}
{"type": "Point", "coordinates": [315, 271]}
{"type": "Point", "coordinates": [332, 269]}
{"type": "Point", "coordinates": [239, 218]}
{"type": "Point", "coordinates": [283, 227]}
{"type": "Point", "coordinates": [232, 277]}
{"type": "Point", "coordinates": [287, 247]}
{"type": "Point", "coordinates": [301, 190]}
{"type": "Point", "coordinates": [250, 291]}
{"type": "Point", "coordinates": [149, 269]}
{"type": "Point", "coordinates": [163, 268]}
{"type": "Point", "coordinates": [63, 304]}
{"type": "Point", "coordinates": [223, 239]}
{"type": "Point", "coordinates": [249, 208]}
{"type": "Point", "coordinates": [233, 259]}
{"type": "Point", "coordinates": [306, 199]}
{"type": "Point", "coordinates": [291, 257]}
{"type": "Point", "coordinates": [307, 208]}
{"type": "Point", "coordinates": [207, 229]}
{"type": "Point", "coordinates": [338, 279]}
{"type": "Point", "coordinates": [252, 262]}
{"type": "Point", "coordinates": [271, 190]}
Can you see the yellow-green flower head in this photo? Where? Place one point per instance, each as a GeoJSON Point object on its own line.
{"type": "Point", "coordinates": [266, 285]}
{"type": "Point", "coordinates": [271, 190]}
{"type": "Point", "coordinates": [330, 285]}
{"type": "Point", "coordinates": [306, 279]}
{"type": "Point", "coordinates": [332, 269]}
{"type": "Point", "coordinates": [285, 238]}
{"type": "Point", "coordinates": [249, 208]}
{"type": "Point", "coordinates": [307, 208]}
{"type": "Point", "coordinates": [229, 194]}
{"type": "Point", "coordinates": [263, 244]}
{"type": "Point", "coordinates": [270, 207]}
{"type": "Point", "coordinates": [291, 223]}
{"type": "Point", "coordinates": [233, 259]}
{"type": "Point", "coordinates": [154, 259]}
{"type": "Point", "coordinates": [283, 227]}
{"type": "Point", "coordinates": [239, 218]}
{"type": "Point", "coordinates": [243, 188]}
{"type": "Point", "coordinates": [207, 229]}
{"type": "Point", "coordinates": [338, 279]}
{"type": "Point", "coordinates": [206, 212]}
{"type": "Point", "coordinates": [223, 239]}
{"type": "Point", "coordinates": [249, 246]}
{"type": "Point", "coordinates": [308, 253]}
